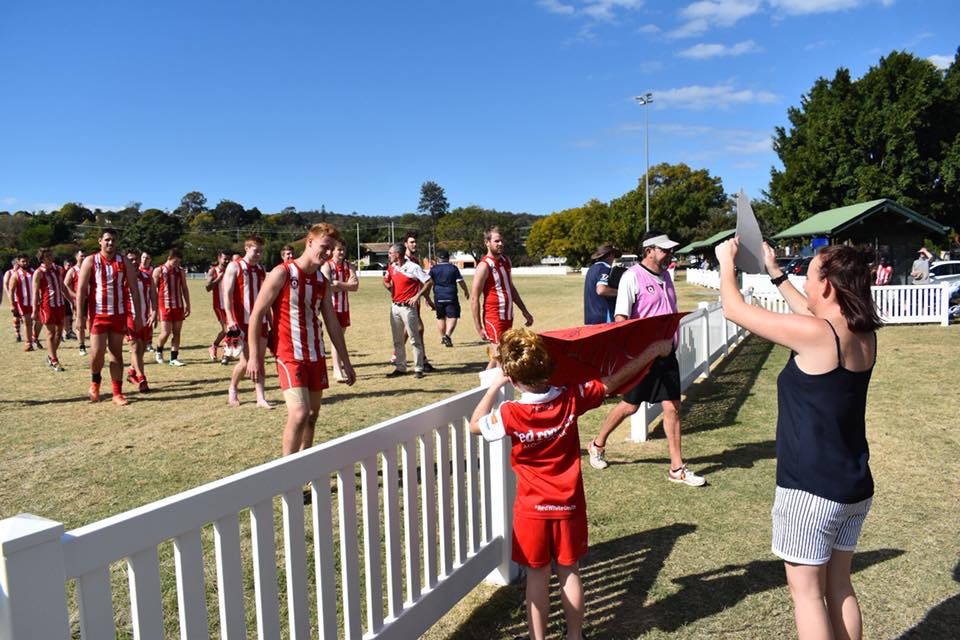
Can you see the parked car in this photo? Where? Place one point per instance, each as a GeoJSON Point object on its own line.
{"type": "Point", "coordinates": [783, 261]}
{"type": "Point", "coordinates": [945, 271]}
{"type": "Point", "coordinates": [798, 266]}
{"type": "Point", "coordinates": [374, 266]}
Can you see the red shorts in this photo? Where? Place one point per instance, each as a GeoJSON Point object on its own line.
{"type": "Point", "coordinates": [344, 318]}
{"type": "Point", "coordinates": [221, 315]}
{"type": "Point", "coordinates": [20, 311]}
{"type": "Point", "coordinates": [495, 328]}
{"type": "Point", "coordinates": [108, 324]}
{"type": "Point", "coordinates": [537, 541]}
{"type": "Point", "coordinates": [145, 334]}
{"type": "Point", "coordinates": [53, 315]}
{"type": "Point", "coordinates": [171, 315]}
{"type": "Point", "coordinates": [310, 375]}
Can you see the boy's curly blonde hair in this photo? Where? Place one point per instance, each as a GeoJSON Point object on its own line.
{"type": "Point", "coordinates": [524, 357]}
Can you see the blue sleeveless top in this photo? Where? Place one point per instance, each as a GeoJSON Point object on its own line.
{"type": "Point", "coordinates": [821, 431]}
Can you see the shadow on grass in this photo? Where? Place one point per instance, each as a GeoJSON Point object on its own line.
{"type": "Point", "coordinates": [942, 621]}
{"type": "Point", "coordinates": [742, 456]}
{"type": "Point", "coordinates": [618, 577]}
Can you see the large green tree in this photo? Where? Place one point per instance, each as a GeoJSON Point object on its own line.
{"type": "Point", "coordinates": [463, 229]}
{"type": "Point", "coordinates": [891, 134]}
{"type": "Point", "coordinates": [433, 200]}
{"type": "Point", "coordinates": [155, 232]}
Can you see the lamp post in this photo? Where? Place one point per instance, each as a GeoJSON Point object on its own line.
{"type": "Point", "coordinates": [644, 100]}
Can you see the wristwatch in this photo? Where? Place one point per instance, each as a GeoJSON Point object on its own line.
{"type": "Point", "coordinates": [779, 280]}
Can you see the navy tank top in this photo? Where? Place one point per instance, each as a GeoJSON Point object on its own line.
{"type": "Point", "coordinates": [821, 431]}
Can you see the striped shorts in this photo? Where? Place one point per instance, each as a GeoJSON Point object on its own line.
{"type": "Point", "coordinates": [807, 528]}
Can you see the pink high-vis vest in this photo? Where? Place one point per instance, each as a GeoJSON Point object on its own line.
{"type": "Point", "coordinates": [653, 298]}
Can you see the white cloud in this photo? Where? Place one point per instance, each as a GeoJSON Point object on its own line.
{"type": "Point", "coordinates": [806, 7]}
{"type": "Point", "coordinates": [745, 165]}
{"type": "Point", "coordinates": [698, 97]}
{"type": "Point", "coordinates": [555, 6]}
{"type": "Point", "coordinates": [702, 15]}
{"type": "Point", "coordinates": [8, 201]}
{"type": "Point", "coordinates": [704, 50]}
{"type": "Point", "coordinates": [649, 28]}
{"type": "Point", "coordinates": [941, 62]}
{"type": "Point", "coordinates": [819, 44]}
{"type": "Point", "coordinates": [743, 147]}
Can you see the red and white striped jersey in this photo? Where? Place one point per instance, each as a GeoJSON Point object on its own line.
{"type": "Point", "coordinates": [249, 280]}
{"type": "Point", "coordinates": [170, 287]}
{"type": "Point", "coordinates": [498, 288]}
{"type": "Point", "coordinates": [76, 277]}
{"type": "Point", "coordinates": [295, 315]}
{"type": "Point", "coordinates": [340, 273]}
{"type": "Point", "coordinates": [22, 285]}
{"type": "Point", "coordinates": [108, 290]}
{"type": "Point", "coordinates": [217, 272]}
{"type": "Point", "coordinates": [144, 282]}
{"type": "Point", "coordinates": [49, 287]}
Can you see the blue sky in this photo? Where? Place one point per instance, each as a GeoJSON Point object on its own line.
{"type": "Point", "coordinates": [519, 105]}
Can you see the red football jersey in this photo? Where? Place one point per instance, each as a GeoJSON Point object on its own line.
{"type": "Point", "coordinates": [170, 287]}
{"type": "Point", "coordinates": [49, 288]}
{"type": "Point", "coordinates": [546, 447]}
{"type": "Point", "coordinates": [340, 273]}
{"type": "Point", "coordinates": [498, 289]}
{"type": "Point", "coordinates": [108, 289]}
{"type": "Point", "coordinates": [406, 279]}
{"type": "Point", "coordinates": [249, 280]}
{"type": "Point", "coordinates": [143, 284]}
{"type": "Point", "coordinates": [217, 298]}
{"type": "Point", "coordinates": [295, 315]}
{"type": "Point", "coordinates": [76, 277]}
{"type": "Point", "coordinates": [22, 285]}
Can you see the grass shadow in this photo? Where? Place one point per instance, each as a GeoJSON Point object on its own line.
{"type": "Point", "coordinates": [742, 456]}
{"type": "Point", "coordinates": [942, 621]}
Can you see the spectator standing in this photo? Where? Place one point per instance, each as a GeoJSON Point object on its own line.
{"type": "Point", "coordinates": [884, 272]}
{"type": "Point", "coordinates": [407, 283]}
{"type": "Point", "coordinates": [920, 271]}
{"type": "Point", "coordinates": [445, 278]}
{"type": "Point", "coordinates": [599, 297]}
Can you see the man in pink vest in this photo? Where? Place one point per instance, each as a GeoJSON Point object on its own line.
{"type": "Point", "coordinates": [646, 290]}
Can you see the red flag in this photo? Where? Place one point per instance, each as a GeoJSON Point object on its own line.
{"type": "Point", "coordinates": [596, 351]}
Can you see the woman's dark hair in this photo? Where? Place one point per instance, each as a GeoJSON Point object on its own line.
{"type": "Point", "coordinates": [848, 271]}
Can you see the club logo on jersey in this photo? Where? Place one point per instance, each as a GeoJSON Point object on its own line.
{"type": "Point", "coordinates": [295, 282]}
{"type": "Point", "coordinates": [650, 289]}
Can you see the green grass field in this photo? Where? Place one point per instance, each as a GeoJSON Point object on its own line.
{"type": "Point", "coordinates": [665, 560]}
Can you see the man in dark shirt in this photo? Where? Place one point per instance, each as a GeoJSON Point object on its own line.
{"type": "Point", "coordinates": [599, 293]}
{"type": "Point", "coordinates": [444, 278]}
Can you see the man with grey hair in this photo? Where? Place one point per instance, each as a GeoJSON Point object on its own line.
{"type": "Point", "coordinates": [407, 283]}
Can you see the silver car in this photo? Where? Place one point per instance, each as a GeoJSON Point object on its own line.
{"type": "Point", "coordinates": [945, 271]}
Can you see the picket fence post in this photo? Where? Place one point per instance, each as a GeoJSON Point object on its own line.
{"type": "Point", "coordinates": [945, 305]}
{"type": "Point", "coordinates": [705, 306]}
{"type": "Point", "coordinates": [33, 601]}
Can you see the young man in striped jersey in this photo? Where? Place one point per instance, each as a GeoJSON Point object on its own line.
{"type": "Point", "coordinates": [71, 280]}
{"type": "Point", "coordinates": [102, 293]}
{"type": "Point", "coordinates": [241, 284]}
{"type": "Point", "coordinates": [214, 281]}
{"type": "Point", "coordinates": [20, 288]}
{"type": "Point", "coordinates": [492, 281]}
{"type": "Point", "coordinates": [294, 291]}
{"type": "Point", "coordinates": [49, 302]}
{"type": "Point", "coordinates": [342, 279]}
{"type": "Point", "coordinates": [146, 266]}
{"type": "Point", "coordinates": [147, 312]}
{"type": "Point", "coordinates": [170, 279]}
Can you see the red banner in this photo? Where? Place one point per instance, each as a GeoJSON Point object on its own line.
{"type": "Point", "coordinates": [596, 351]}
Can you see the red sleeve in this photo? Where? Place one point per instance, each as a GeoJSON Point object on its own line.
{"type": "Point", "coordinates": [590, 395]}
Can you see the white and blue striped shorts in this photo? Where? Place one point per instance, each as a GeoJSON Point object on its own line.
{"type": "Point", "coordinates": [807, 528]}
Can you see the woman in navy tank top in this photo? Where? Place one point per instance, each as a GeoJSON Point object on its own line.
{"type": "Point", "coordinates": [824, 486]}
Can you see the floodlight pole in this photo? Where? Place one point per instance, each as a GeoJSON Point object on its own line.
{"type": "Point", "coordinates": [645, 100]}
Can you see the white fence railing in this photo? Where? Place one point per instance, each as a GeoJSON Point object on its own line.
{"type": "Point", "coordinates": [897, 304]}
{"type": "Point", "coordinates": [453, 507]}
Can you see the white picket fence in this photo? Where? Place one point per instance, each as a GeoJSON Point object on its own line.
{"type": "Point", "coordinates": [458, 534]}
{"type": "Point", "coordinates": [897, 304]}
{"type": "Point", "coordinates": [452, 507]}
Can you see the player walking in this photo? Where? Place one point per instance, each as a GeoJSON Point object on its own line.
{"type": "Point", "coordinates": [214, 282]}
{"type": "Point", "coordinates": [146, 310]}
{"type": "Point", "coordinates": [170, 279]}
{"type": "Point", "coordinates": [49, 298]}
{"type": "Point", "coordinates": [71, 280]}
{"type": "Point", "coordinates": [342, 279]}
{"type": "Point", "coordinates": [20, 288]}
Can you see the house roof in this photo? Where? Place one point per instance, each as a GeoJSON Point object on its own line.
{"type": "Point", "coordinates": [377, 247]}
{"type": "Point", "coordinates": [834, 221]}
{"type": "Point", "coordinates": [709, 242]}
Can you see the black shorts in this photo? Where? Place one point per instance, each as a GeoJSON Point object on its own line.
{"type": "Point", "coordinates": [661, 383]}
{"type": "Point", "coordinates": [448, 309]}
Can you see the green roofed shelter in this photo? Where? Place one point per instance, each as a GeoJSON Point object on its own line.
{"type": "Point", "coordinates": [895, 231]}
{"type": "Point", "coordinates": [835, 221]}
{"type": "Point", "coordinates": [709, 243]}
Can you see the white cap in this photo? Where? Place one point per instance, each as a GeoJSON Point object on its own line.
{"type": "Point", "coordinates": [664, 242]}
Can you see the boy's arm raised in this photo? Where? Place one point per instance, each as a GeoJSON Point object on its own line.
{"type": "Point", "coordinates": [617, 379]}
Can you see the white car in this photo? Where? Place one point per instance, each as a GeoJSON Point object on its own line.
{"type": "Point", "coordinates": [945, 271]}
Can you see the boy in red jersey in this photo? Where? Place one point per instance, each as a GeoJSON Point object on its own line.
{"type": "Point", "coordinates": [214, 280]}
{"type": "Point", "coordinates": [20, 288]}
{"type": "Point", "coordinates": [241, 285]}
{"type": "Point", "coordinates": [71, 280]}
{"type": "Point", "coordinates": [147, 312]}
{"type": "Point", "coordinates": [170, 279]}
{"type": "Point", "coordinates": [294, 290]}
{"type": "Point", "coordinates": [342, 279]}
{"type": "Point", "coordinates": [102, 293]}
{"type": "Point", "coordinates": [549, 513]}
{"type": "Point", "coordinates": [493, 281]}
{"type": "Point", "coordinates": [50, 300]}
